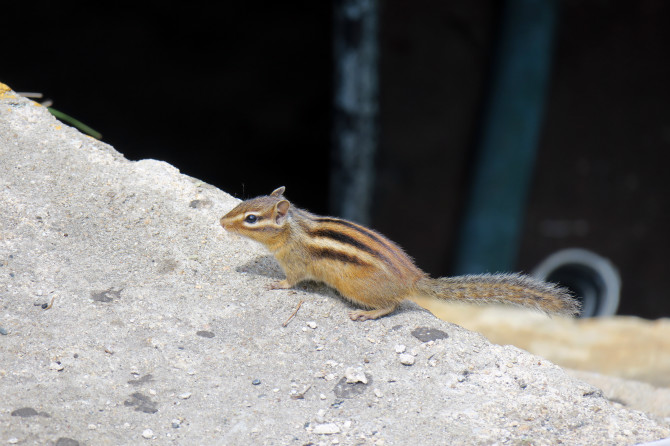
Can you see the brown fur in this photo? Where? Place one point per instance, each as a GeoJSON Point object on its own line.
{"type": "Point", "coordinates": [366, 267]}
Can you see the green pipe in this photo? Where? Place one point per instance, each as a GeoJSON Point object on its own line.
{"type": "Point", "coordinates": [494, 214]}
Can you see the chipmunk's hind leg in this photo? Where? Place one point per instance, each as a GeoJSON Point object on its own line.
{"type": "Point", "coordinates": [364, 315]}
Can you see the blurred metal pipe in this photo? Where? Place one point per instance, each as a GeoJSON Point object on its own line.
{"type": "Point", "coordinates": [593, 279]}
{"type": "Point", "coordinates": [355, 51]}
{"type": "Point", "coordinates": [493, 219]}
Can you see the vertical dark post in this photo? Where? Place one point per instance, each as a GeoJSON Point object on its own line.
{"type": "Point", "coordinates": [355, 52]}
{"type": "Point", "coordinates": [495, 211]}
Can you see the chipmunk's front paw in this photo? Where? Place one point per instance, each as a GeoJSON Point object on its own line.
{"type": "Point", "coordinates": [359, 315]}
{"type": "Point", "coordinates": [281, 285]}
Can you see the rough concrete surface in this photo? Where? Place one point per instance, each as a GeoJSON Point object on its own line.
{"type": "Point", "coordinates": [162, 330]}
{"type": "Point", "coordinates": [635, 394]}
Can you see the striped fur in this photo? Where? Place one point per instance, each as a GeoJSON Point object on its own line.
{"type": "Point", "coordinates": [513, 289]}
{"type": "Point", "coordinates": [366, 267]}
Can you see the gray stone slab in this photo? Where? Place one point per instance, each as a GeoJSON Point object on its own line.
{"type": "Point", "coordinates": [162, 331]}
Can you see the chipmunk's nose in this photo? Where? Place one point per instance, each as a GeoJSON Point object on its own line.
{"type": "Point", "coordinates": [223, 222]}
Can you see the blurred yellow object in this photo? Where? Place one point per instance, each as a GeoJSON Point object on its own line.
{"type": "Point", "coordinates": [623, 346]}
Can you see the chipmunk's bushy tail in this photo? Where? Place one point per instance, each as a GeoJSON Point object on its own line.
{"type": "Point", "coordinates": [514, 289]}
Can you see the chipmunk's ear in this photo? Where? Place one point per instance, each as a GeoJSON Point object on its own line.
{"type": "Point", "coordinates": [278, 192]}
{"type": "Point", "coordinates": [281, 210]}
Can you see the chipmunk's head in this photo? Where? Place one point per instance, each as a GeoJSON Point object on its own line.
{"type": "Point", "coordinates": [262, 218]}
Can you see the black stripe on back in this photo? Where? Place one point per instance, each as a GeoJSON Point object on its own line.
{"type": "Point", "coordinates": [348, 240]}
{"type": "Point", "coordinates": [370, 234]}
{"type": "Point", "coordinates": [343, 238]}
{"type": "Point", "coordinates": [336, 255]}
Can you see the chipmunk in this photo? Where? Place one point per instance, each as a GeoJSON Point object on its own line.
{"type": "Point", "coordinates": [369, 269]}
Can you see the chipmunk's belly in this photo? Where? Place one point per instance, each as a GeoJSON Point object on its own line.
{"type": "Point", "coordinates": [366, 285]}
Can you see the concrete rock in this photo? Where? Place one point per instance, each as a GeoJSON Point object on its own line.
{"type": "Point", "coordinates": [634, 394]}
{"type": "Point", "coordinates": [136, 272]}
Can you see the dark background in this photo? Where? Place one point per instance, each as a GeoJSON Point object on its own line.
{"type": "Point", "coordinates": [240, 97]}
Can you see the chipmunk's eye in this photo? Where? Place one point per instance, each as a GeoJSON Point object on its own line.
{"type": "Point", "coordinates": [251, 218]}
